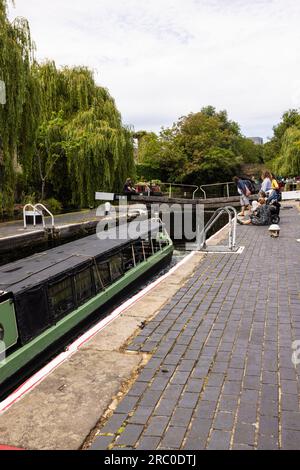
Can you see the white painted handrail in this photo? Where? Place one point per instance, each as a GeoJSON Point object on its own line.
{"type": "Point", "coordinates": [37, 210]}
{"type": "Point", "coordinates": [48, 212]}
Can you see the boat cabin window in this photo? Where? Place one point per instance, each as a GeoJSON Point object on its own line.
{"type": "Point", "coordinates": [128, 258]}
{"type": "Point", "coordinates": [83, 285]}
{"type": "Point", "coordinates": [116, 267]}
{"type": "Point", "coordinates": [102, 276]}
{"type": "Point", "coordinates": [61, 297]}
{"type": "Point", "coordinates": [139, 252]}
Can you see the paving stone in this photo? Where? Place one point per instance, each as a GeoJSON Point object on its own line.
{"type": "Point", "coordinates": [249, 396]}
{"type": "Point", "coordinates": [290, 420]}
{"type": "Point", "coordinates": [181, 417]}
{"type": "Point", "coordinates": [194, 385]}
{"type": "Point", "coordinates": [289, 387]}
{"type": "Point", "coordinates": [141, 415]}
{"type": "Point", "coordinates": [173, 359]}
{"type": "Point", "coordinates": [269, 407]}
{"type": "Point", "coordinates": [247, 413]}
{"type": "Point", "coordinates": [211, 393]}
{"type": "Point", "coordinates": [180, 378]}
{"type": "Point", "coordinates": [251, 383]}
{"type": "Point", "coordinates": [228, 403]}
{"type": "Point", "coordinates": [130, 436]}
{"type": "Point", "coordinates": [189, 400]}
{"type": "Point", "coordinates": [173, 438]}
{"type": "Point", "coordinates": [165, 408]}
{"type": "Point", "coordinates": [267, 443]}
{"type": "Point", "coordinates": [148, 443]}
{"type": "Point", "coordinates": [219, 440]}
{"type": "Point", "coordinates": [232, 388]}
{"type": "Point", "coordinates": [156, 426]}
{"type": "Point", "coordinates": [206, 409]}
{"type": "Point", "coordinates": [216, 379]}
{"type": "Point", "coordinates": [113, 424]}
{"type": "Point", "coordinates": [159, 384]}
{"type": "Point", "coordinates": [269, 426]}
{"type": "Point", "coordinates": [224, 421]}
{"type": "Point", "coordinates": [150, 398]}
{"type": "Point", "coordinates": [244, 434]}
{"type": "Point", "coordinates": [127, 405]}
{"type": "Point", "coordinates": [290, 402]}
{"type": "Point", "coordinates": [138, 389]}
{"type": "Point", "coordinates": [186, 365]}
{"type": "Point", "coordinates": [102, 443]}
{"type": "Point", "coordinates": [290, 439]}
{"type": "Point", "coordinates": [194, 443]}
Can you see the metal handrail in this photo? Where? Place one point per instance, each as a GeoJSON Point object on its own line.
{"type": "Point", "coordinates": [37, 211]}
{"type": "Point", "coordinates": [177, 185]}
{"type": "Point", "coordinates": [24, 214]}
{"type": "Point", "coordinates": [232, 215]}
{"type": "Point", "coordinates": [48, 212]}
{"type": "Point", "coordinates": [216, 184]}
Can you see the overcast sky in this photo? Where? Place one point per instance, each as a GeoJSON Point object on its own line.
{"type": "Point", "coordinates": [161, 59]}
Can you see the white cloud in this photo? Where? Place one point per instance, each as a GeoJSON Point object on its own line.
{"type": "Point", "coordinates": [161, 59]}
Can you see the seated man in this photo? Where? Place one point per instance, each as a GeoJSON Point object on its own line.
{"type": "Point", "coordinates": [262, 216]}
{"type": "Point", "coordinates": [128, 187]}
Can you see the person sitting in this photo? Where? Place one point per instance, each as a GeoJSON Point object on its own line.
{"type": "Point", "coordinates": [262, 216]}
{"type": "Point", "coordinates": [128, 187]}
{"type": "Point", "coordinates": [275, 194]}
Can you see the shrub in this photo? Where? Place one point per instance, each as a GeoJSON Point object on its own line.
{"type": "Point", "coordinates": [53, 205]}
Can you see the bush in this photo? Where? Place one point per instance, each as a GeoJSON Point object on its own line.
{"type": "Point", "coordinates": [29, 199]}
{"type": "Point", "coordinates": [53, 205]}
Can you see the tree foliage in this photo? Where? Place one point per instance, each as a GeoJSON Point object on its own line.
{"type": "Point", "coordinates": [58, 127]}
{"type": "Point", "coordinates": [283, 150]}
{"type": "Point", "coordinates": [15, 61]}
{"type": "Point", "coordinates": [200, 148]}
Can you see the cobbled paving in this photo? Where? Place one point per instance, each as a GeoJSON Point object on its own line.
{"type": "Point", "coordinates": [221, 375]}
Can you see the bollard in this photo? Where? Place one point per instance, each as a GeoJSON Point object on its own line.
{"type": "Point", "coordinates": [107, 208]}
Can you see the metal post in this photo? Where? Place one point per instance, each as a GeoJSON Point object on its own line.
{"type": "Point", "coordinates": [133, 255]}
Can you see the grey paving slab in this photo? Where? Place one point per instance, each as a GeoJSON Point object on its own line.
{"type": "Point", "coordinates": [222, 376]}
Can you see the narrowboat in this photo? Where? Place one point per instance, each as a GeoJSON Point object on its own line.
{"type": "Point", "coordinates": [45, 296]}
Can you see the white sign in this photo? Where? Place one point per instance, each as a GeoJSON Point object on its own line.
{"type": "Point", "coordinates": [291, 195]}
{"type": "Point", "coordinates": [105, 197]}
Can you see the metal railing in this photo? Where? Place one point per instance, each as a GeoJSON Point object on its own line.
{"type": "Point", "coordinates": [217, 185]}
{"type": "Point", "coordinates": [185, 191]}
{"type": "Point", "coordinates": [232, 216]}
{"type": "Point", "coordinates": [36, 210]}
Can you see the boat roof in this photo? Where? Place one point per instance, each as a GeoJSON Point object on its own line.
{"type": "Point", "coordinates": [28, 272]}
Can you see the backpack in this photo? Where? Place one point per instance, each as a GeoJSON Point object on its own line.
{"type": "Point", "coordinates": [250, 187]}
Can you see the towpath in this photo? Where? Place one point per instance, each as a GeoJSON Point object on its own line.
{"type": "Point", "coordinates": [221, 375]}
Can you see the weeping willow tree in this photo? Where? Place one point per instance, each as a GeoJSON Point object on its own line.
{"type": "Point", "coordinates": [16, 56]}
{"type": "Point", "coordinates": [82, 145]}
{"type": "Point", "coordinates": [288, 162]}
{"type": "Point", "coordinates": [58, 130]}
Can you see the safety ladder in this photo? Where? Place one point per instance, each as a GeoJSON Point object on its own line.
{"type": "Point", "coordinates": [33, 212]}
{"type": "Point", "coordinates": [231, 247]}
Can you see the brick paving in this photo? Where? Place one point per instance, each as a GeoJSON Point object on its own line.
{"type": "Point", "coordinates": [221, 375]}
